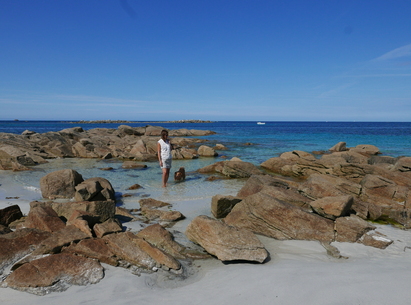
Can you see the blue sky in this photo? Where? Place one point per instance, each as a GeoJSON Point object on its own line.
{"type": "Point", "coordinates": [213, 60]}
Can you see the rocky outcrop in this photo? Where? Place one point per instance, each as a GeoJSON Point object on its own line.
{"type": "Point", "coordinates": [207, 151]}
{"type": "Point", "coordinates": [179, 153]}
{"type": "Point", "coordinates": [256, 182]}
{"type": "Point", "coordinates": [327, 199]}
{"type": "Point", "coordinates": [159, 237]}
{"type": "Point", "coordinates": [16, 245]}
{"type": "Point", "coordinates": [95, 248]}
{"type": "Point", "coordinates": [295, 164]}
{"type": "Point", "coordinates": [67, 269]}
{"type": "Point", "coordinates": [19, 152]}
{"type": "Point", "coordinates": [340, 146]}
{"type": "Point", "coordinates": [232, 169]}
{"type": "Point", "coordinates": [226, 242]}
{"type": "Point", "coordinates": [138, 252]}
{"type": "Point", "coordinates": [279, 219]}
{"type": "Point", "coordinates": [16, 158]}
{"type": "Point", "coordinates": [103, 210]}
{"type": "Point", "coordinates": [333, 207]}
{"type": "Point", "coordinates": [46, 254]}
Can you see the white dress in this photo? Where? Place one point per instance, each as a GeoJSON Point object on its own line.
{"type": "Point", "coordinates": [165, 153]}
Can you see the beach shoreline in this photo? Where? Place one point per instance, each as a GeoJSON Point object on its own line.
{"type": "Point", "coordinates": [297, 272]}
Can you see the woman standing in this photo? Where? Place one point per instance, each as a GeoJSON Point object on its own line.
{"type": "Point", "coordinates": [164, 155]}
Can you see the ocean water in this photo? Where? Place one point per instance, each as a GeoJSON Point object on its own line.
{"type": "Point", "coordinates": [271, 139]}
{"type": "Point", "coordinates": [268, 140]}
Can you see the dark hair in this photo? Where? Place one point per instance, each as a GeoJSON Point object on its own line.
{"type": "Point", "coordinates": [164, 134]}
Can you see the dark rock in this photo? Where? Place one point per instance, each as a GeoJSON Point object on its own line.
{"type": "Point", "coordinates": [4, 230]}
{"type": "Point", "coordinates": [10, 214]}
{"type": "Point", "coordinates": [132, 165]}
{"type": "Point", "coordinates": [222, 205]}
{"type": "Point", "coordinates": [134, 187]}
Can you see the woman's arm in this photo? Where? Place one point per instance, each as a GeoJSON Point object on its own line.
{"type": "Point", "coordinates": [159, 154]}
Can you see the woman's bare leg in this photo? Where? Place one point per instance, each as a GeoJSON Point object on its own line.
{"type": "Point", "coordinates": [166, 174]}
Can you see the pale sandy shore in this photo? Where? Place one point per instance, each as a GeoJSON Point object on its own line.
{"type": "Point", "coordinates": [298, 272]}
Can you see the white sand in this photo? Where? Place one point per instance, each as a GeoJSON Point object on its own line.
{"type": "Point", "coordinates": [299, 272]}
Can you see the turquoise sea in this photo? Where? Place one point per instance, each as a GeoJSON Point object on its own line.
{"type": "Point", "coordinates": [268, 140]}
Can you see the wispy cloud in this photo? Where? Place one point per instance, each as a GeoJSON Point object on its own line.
{"type": "Point", "coordinates": [75, 100]}
{"type": "Point", "coordinates": [396, 53]}
{"type": "Point", "coordinates": [378, 75]}
{"type": "Point", "coordinates": [335, 91]}
{"type": "Point", "coordinates": [99, 100]}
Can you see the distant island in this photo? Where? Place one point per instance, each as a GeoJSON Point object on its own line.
{"type": "Point", "coordinates": [122, 121]}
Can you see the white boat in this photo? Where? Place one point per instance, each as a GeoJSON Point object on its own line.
{"type": "Point", "coordinates": [260, 123]}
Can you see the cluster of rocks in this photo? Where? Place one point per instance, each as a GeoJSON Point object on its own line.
{"type": "Point", "coordinates": [102, 122]}
{"type": "Point", "coordinates": [189, 121]}
{"type": "Point", "coordinates": [294, 196]}
{"type": "Point", "coordinates": [62, 243]}
{"type": "Point", "coordinates": [331, 198]}
{"type": "Point", "coordinates": [18, 152]}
